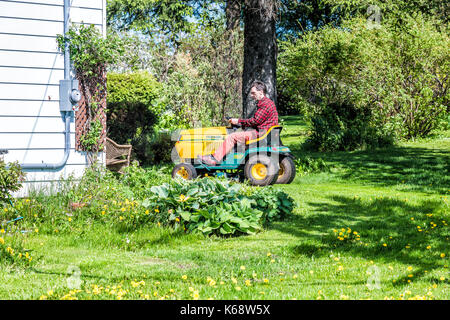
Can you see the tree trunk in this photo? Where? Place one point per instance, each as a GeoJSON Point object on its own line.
{"type": "Point", "coordinates": [260, 50]}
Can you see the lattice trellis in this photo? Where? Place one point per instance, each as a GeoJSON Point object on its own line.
{"type": "Point", "coordinates": [81, 118]}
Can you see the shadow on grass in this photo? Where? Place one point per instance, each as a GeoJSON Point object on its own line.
{"type": "Point", "coordinates": [380, 221]}
{"type": "Point", "coordinates": [417, 169]}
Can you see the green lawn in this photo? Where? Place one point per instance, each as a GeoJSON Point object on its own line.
{"type": "Point", "coordinates": [395, 199]}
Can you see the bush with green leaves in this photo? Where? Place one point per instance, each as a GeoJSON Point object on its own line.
{"type": "Point", "coordinates": [364, 85]}
{"type": "Point", "coordinates": [139, 179]}
{"type": "Point", "coordinates": [11, 179]}
{"type": "Point", "coordinates": [91, 53]}
{"type": "Point", "coordinates": [275, 204]}
{"type": "Point", "coordinates": [217, 206]}
{"type": "Point", "coordinates": [133, 111]}
{"type": "Point", "coordinates": [200, 77]}
{"type": "Point", "coordinates": [345, 127]}
{"type": "Point", "coordinates": [305, 165]}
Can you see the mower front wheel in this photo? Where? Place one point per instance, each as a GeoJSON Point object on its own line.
{"type": "Point", "coordinates": [184, 171]}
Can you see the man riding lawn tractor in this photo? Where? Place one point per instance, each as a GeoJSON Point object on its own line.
{"type": "Point", "coordinates": [249, 148]}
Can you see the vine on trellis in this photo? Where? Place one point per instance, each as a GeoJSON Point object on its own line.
{"type": "Point", "coordinates": [90, 54]}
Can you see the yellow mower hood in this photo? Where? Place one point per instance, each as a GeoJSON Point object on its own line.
{"type": "Point", "coordinates": [199, 141]}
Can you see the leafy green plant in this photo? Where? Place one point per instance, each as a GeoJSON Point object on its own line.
{"type": "Point", "coordinates": [90, 54]}
{"type": "Point", "coordinates": [305, 165]}
{"type": "Point", "coordinates": [334, 77]}
{"type": "Point", "coordinates": [11, 179]}
{"type": "Point", "coordinates": [134, 114]}
{"type": "Point", "coordinates": [215, 206]}
{"type": "Point", "coordinates": [90, 139]}
{"type": "Point", "coordinates": [12, 251]}
{"type": "Point", "coordinates": [274, 203]}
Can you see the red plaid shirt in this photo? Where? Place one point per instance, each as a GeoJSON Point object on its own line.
{"type": "Point", "coordinates": [266, 116]}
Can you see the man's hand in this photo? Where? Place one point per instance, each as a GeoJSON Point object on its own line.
{"type": "Point", "coordinates": [234, 121]}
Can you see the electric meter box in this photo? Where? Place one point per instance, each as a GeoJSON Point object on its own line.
{"type": "Point", "coordinates": [69, 95]}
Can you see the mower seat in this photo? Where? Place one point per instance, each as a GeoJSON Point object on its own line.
{"type": "Point", "coordinates": [269, 138]}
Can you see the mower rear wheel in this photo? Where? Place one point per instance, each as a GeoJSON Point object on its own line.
{"type": "Point", "coordinates": [287, 171]}
{"type": "Point", "coordinates": [260, 170]}
{"type": "Point", "coordinates": [184, 171]}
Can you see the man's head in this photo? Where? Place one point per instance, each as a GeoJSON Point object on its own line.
{"type": "Point", "coordinates": [258, 90]}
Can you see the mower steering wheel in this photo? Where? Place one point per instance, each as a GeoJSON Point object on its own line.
{"type": "Point", "coordinates": [232, 126]}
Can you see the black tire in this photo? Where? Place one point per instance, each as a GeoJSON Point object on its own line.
{"type": "Point", "coordinates": [184, 171]}
{"type": "Point", "coordinates": [287, 171]}
{"type": "Point", "coordinates": [260, 170]}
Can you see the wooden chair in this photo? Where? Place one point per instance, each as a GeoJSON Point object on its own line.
{"type": "Point", "coordinates": [117, 155]}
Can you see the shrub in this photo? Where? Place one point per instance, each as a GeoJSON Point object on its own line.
{"type": "Point", "coordinates": [132, 111]}
{"type": "Point", "coordinates": [274, 203]}
{"type": "Point", "coordinates": [215, 206]}
{"type": "Point", "coordinates": [201, 78]}
{"type": "Point", "coordinates": [159, 148]}
{"type": "Point", "coordinates": [345, 127]}
{"type": "Point", "coordinates": [139, 179]}
{"type": "Point", "coordinates": [11, 179]}
{"type": "Point", "coordinates": [305, 165]}
{"type": "Point", "coordinates": [363, 85]}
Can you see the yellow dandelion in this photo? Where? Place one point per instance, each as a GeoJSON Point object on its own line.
{"type": "Point", "coordinates": [242, 268]}
{"type": "Point", "coordinates": [442, 255]}
{"type": "Point", "coordinates": [184, 277]}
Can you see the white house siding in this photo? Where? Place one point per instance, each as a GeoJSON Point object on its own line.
{"type": "Point", "coordinates": [31, 125]}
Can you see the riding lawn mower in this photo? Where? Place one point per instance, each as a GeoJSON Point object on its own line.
{"type": "Point", "coordinates": [262, 161]}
